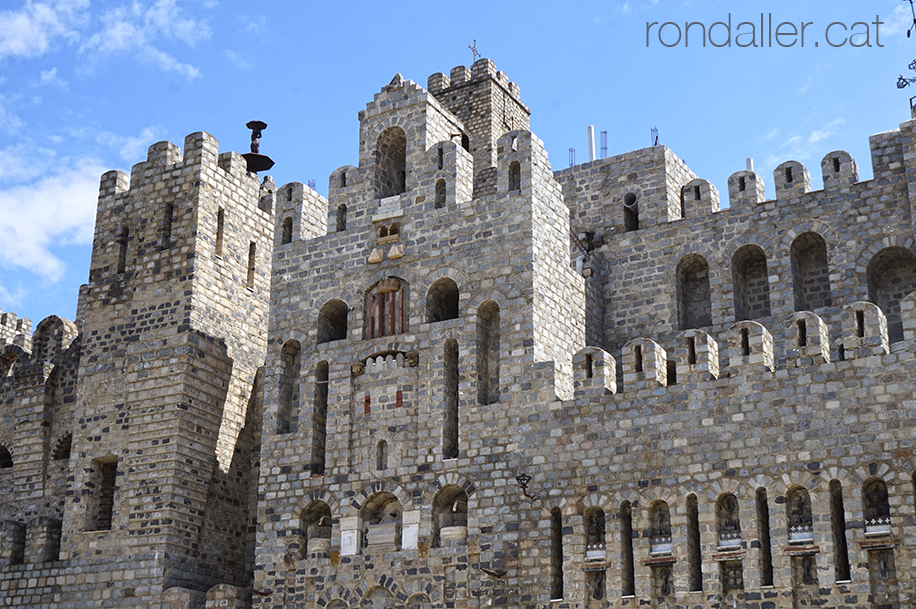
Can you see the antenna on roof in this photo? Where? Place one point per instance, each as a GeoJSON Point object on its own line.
{"type": "Point", "coordinates": [477, 55]}
{"type": "Point", "coordinates": [604, 144]}
{"type": "Point", "coordinates": [572, 157]}
{"type": "Point", "coordinates": [654, 136]}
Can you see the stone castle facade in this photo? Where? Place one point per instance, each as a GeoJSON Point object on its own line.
{"type": "Point", "coordinates": [466, 381]}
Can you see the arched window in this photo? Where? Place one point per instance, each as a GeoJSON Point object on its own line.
{"type": "Point", "coordinates": [729, 522]}
{"type": "Point", "coordinates": [630, 212]}
{"type": "Point", "coordinates": [320, 418]}
{"type": "Point", "coordinates": [660, 528]}
{"type": "Point", "coordinates": [595, 534]}
{"type": "Point", "coordinates": [382, 515]}
{"type": "Point", "coordinates": [290, 362]}
{"type": "Point", "coordinates": [877, 508]}
{"type": "Point", "coordinates": [450, 424]}
{"type": "Point", "coordinates": [488, 353]}
{"type": "Point", "coordinates": [341, 218]}
{"type": "Point", "coordinates": [694, 553]}
{"type": "Point", "coordinates": [442, 301]}
{"type": "Point", "coordinates": [556, 554]}
{"type": "Point", "coordinates": [838, 525]}
{"type": "Point", "coordinates": [386, 308]}
{"type": "Point", "coordinates": [809, 272]}
{"type": "Point", "coordinates": [391, 162]}
{"type": "Point", "coordinates": [694, 300]}
{"type": "Point", "coordinates": [515, 176]}
{"type": "Point", "coordinates": [891, 276]}
{"type": "Point", "coordinates": [751, 283]}
{"type": "Point", "coordinates": [378, 598]}
{"type": "Point", "coordinates": [62, 450]}
{"type": "Point", "coordinates": [763, 535]}
{"type": "Point", "coordinates": [418, 601]}
{"type": "Point", "coordinates": [450, 516]}
{"type": "Point", "coordinates": [798, 509]}
{"type": "Point", "coordinates": [628, 572]}
{"type": "Point", "coordinates": [440, 194]}
{"type": "Point", "coordinates": [332, 321]}
{"type": "Point", "coordinates": [287, 236]}
{"type": "Point", "coordinates": [6, 459]}
{"type": "Point", "coordinates": [314, 529]}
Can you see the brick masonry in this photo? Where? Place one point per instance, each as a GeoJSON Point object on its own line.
{"type": "Point", "coordinates": [421, 392]}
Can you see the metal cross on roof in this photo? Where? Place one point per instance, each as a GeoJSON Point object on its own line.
{"type": "Point", "coordinates": [474, 50]}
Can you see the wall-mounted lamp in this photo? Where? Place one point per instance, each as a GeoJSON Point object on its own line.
{"type": "Point", "coordinates": [523, 480]}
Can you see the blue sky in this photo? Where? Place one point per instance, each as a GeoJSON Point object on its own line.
{"type": "Point", "coordinates": [87, 85]}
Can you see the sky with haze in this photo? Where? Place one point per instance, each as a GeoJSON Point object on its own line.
{"type": "Point", "coordinates": [87, 85]}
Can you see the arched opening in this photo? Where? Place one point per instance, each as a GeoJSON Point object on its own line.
{"type": "Point", "coordinates": [763, 534]}
{"type": "Point", "coordinates": [7, 361]}
{"type": "Point", "coordinates": [488, 353]}
{"type": "Point", "coordinates": [418, 601]}
{"type": "Point", "coordinates": [556, 554]}
{"type": "Point", "coordinates": [450, 516]}
{"type": "Point", "coordinates": [660, 541]}
{"type": "Point", "coordinates": [332, 321]}
{"type": "Point", "coordinates": [341, 223]}
{"type": "Point", "coordinates": [798, 510]}
{"type": "Point", "coordinates": [838, 525]}
{"type": "Point", "coordinates": [891, 276]}
{"type": "Point", "coordinates": [440, 194]}
{"type": "Point", "coordinates": [809, 272]}
{"type": "Point", "coordinates": [728, 521]}
{"type": "Point", "coordinates": [694, 554]}
{"type": "Point", "coordinates": [442, 301]}
{"type": "Point", "coordinates": [630, 212]}
{"type": "Point", "coordinates": [391, 162]}
{"type": "Point", "coordinates": [290, 371]}
{"type": "Point", "coordinates": [287, 236]}
{"type": "Point", "coordinates": [694, 300]}
{"type": "Point", "coordinates": [595, 534]}
{"type": "Point", "coordinates": [751, 283]}
{"type": "Point", "coordinates": [386, 308]}
{"type": "Point", "coordinates": [314, 529]}
{"type": "Point", "coordinates": [381, 515]}
{"type": "Point", "coordinates": [628, 571]}
{"type": "Point", "coordinates": [6, 459]}
{"type": "Point", "coordinates": [877, 508]}
{"type": "Point", "coordinates": [320, 418]}
{"type": "Point", "coordinates": [62, 450]}
{"type": "Point", "coordinates": [450, 423]}
{"type": "Point", "coordinates": [515, 176]}
{"type": "Point", "coordinates": [465, 142]}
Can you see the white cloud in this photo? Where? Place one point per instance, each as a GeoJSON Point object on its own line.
{"type": "Point", "coordinates": [58, 209]}
{"type": "Point", "coordinates": [236, 59]}
{"type": "Point", "coordinates": [625, 8]}
{"type": "Point", "coordinates": [50, 78]}
{"type": "Point", "coordinates": [132, 148]}
{"type": "Point", "coordinates": [137, 28]}
{"type": "Point", "coordinates": [9, 120]}
{"type": "Point", "coordinates": [32, 29]}
{"type": "Point", "coordinates": [900, 20]}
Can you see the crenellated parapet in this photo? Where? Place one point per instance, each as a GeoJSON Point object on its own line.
{"type": "Point", "coordinates": [15, 330]}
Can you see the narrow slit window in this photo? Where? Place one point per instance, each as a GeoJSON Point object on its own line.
{"type": "Point", "coordinates": [107, 475]}
{"type": "Point", "coordinates": [691, 350]}
{"type": "Point", "coordinates": [841, 353]}
{"type": "Point", "coordinates": [122, 249]}
{"type": "Point", "coordinates": [450, 427]}
{"type": "Point", "coordinates": [763, 533]}
{"type": "Point", "coordinates": [745, 342]}
{"type": "Point", "coordinates": [556, 555]}
{"type": "Point", "coordinates": [696, 193]}
{"type": "Point", "coordinates": [341, 217]}
{"type": "Point", "coordinates": [860, 324]}
{"type": "Point", "coordinates": [252, 252]}
{"type": "Point", "coordinates": [802, 333]}
{"type": "Point", "coordinates": [439, 158]}
{"type": "Point", "coordinates": [788, 174]}
{"type": "Point", "coordinates": [836, 165]}
{"type": "Point", "coordinates": [672, 372]}
{"type": "Point", "coordinates": [220, 230]}
{"type": "Point", "coordinates": [638, 353]}
{"type": "Point", "coordinates": [343, 179]}
{"type": "Point", "coordinates": [838, 524]}
{"type": "Point", "coordinates": [167, 226]}
{"type": "Point", "coordinates": [628, 577]}
{"type": "Point", "coordinates": [381, 457]}
{"type": "Point", "coordinates": [630, 213]}
{"type": "Point", "coordinates": [589, 372]}
{"type": "Point", "coordinates": [287, 231]}
{"type": "Point", "coordinates": [742, 184]}
{"type": "Point", "coordinates": [695, 564]}
{"type": "Point", "coordinates": [320, 418]}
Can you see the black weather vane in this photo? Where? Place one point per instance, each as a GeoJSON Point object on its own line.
{"type": "Point", "coordinates": [477, 55]}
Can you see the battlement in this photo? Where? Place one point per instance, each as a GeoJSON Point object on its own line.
{"type": "Point", "coordinates": [15, 330]}
{"type": "Point", "coordinates": [460, 76]}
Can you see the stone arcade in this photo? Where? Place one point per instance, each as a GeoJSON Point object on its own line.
{"type": "Point", "coordinates": [422, 393]}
